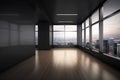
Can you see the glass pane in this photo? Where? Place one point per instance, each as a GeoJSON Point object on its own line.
{"type": "Point", "coordinates": [36, 38]}
{"type": "Point", "coordinates": [58, 27]}
{"type": "Point", "coordinates": [110, 7]}
{"type": "Point", "coordinates": [87, 38]}
{"type": "Point", "coordinates": [112, 35]}
{"type": "Point", "coordinates": [95, 17]}
{"type": "Point", "coordinates": [71, 38]}
{"type": "Point", "coordinates": [95, 37]}
{"type": "Point", "coordinates": [70, 27]}
{"type": "Point", "coordinates": [87, 22]}
{"type": "Point", "coordinates": [82, 25]}
{"type": "Point", "coordinates": [36, 27]}
{"type": "Point", "coordinates": [58, 38]}
{"type": "Point", "coordinates": [82, 37]}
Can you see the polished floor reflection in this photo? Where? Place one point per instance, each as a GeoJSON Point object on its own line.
{"type": "Point", "coordinates": [64, 58]}
{"type": "Point", "coordinates": [61, 64]}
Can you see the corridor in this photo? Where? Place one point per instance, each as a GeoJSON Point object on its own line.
{"type": "Point", "coordinates": [61, 64]}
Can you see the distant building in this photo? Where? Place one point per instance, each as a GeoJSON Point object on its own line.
{"type": "Point", "coordinates": [118, 49]}
{"type": "Point", "coordinates": [111, 46]}
{"type": "Point", "coordinates": [115, 48]}
{"type": "Point", "coordinates": [88, 45]}
{"type": "Point", "coordinates": [97, 44]}
{"type": "Point", "coordinates": [105, 46]}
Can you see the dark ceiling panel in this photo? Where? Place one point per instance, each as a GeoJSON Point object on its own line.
{"type": "Point", "coordinates": [21, 11]}
{"type": "Point", "coordinates": [32, 11]}
{"type": "Point", "coordinates": [81, 7]}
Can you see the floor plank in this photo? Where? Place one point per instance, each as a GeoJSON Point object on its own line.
{"type": "Point", "coordinates": [61, 64]}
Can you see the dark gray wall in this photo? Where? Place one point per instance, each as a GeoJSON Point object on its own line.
{"type": "Point", "coordinates": [43, 35]}
{"type": "Point", "coordinates": [16, 43]}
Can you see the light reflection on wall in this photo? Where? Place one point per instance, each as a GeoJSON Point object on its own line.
{"type": "Point", "coordinates": [64, 58]}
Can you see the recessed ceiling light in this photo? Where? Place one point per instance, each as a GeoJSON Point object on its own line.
{"type": "Point", "coordinates": [66, 14]}
{"type": "Point", "coordinates": [65, 21]}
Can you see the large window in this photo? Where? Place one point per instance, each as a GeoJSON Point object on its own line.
{"type": "Point", "coordinates": [59, 28]}
{"type": "Point", "coordinates": [87, 22]}
{"type": "Point", "coordinates": [65, 35]}
{"type": "Point", "coordinates": [110, 7]}
{"type": "Point", "coordinates": [111, 28]}
{"type": "Point", "coordinates": [70, 35]}
{"type": "Point", "coordinates": [106, 30]}
{"type": "Point", "coordinates": [112, 35]}
{"type": "Point", "coordinates": [58, 35]}
{"type": "Point", "coordinates": [87, 38]}
{"type": "Point", "coordinates": [70, 28]}
{"type": "Point", "coordinates": [95, 17]}
{"type": "Point", "coordinates": [36, 34]}
{"type": "Point", "coordinates": [58, 38]}
{"type": "Point", "coordinates": [95, 37]}
{"type": "Point", "coordinates": [83, 34]}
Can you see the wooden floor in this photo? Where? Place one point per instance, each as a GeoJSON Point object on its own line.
{"type": "Point", "coordinates": [61, 64]}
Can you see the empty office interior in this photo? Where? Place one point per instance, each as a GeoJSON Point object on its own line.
{"type": "Point", "coordinates": [59, 39]}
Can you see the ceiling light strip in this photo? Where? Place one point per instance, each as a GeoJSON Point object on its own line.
{"type": "Point", "coordinates": [66, 14]}
{"type": "Point", "coordinates": [65, 21]}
